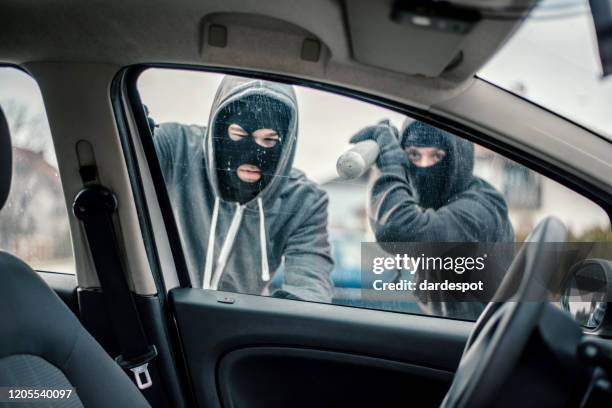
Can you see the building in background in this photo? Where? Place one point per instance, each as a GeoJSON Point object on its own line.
{"type": "Point", "coordinates": [34, 220]}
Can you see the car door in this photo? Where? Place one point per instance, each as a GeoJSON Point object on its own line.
{"type": "Point", "coordinates": [334, 349]}
{"type": "Point", "coordinates": [251, 344]}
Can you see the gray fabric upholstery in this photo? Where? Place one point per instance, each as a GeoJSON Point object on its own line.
{"type": "Point", "coordinates": [42, 343]}
{"type": "Point", "coordinates": [6, 163]}
{"type": "Point", "coordinates": [29, 371]}
{"type": "Point", "coordinates": [36, 322]}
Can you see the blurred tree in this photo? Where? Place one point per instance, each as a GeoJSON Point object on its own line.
{"type": "Point", "coordinates": [29, 129]}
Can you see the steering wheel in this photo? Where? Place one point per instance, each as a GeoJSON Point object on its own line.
{"type": "Point", "coordinates": [503, 329]}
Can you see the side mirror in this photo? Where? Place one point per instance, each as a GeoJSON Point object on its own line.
{"type": "Point", "coordinates": [587, 292]}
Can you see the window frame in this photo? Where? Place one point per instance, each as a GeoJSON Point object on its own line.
{"type": "Point", "coordinates": [71, 239]}
{"type": "Point", "coordinates": [125, 88]}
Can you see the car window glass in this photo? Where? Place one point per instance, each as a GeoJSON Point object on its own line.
{"type": "Point", "coordinates": [268, 201]}
{"type": "Point", "coordinates": [34, 221]}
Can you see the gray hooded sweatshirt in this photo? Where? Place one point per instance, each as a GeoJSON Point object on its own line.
{"type": "Point", "coordinates": [238, 248]}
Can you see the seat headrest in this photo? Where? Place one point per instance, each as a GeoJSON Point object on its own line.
{"type": "Point", "coordinates": [6, 162]}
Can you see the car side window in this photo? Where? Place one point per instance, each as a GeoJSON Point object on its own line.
{"type": "Point", "coordinates": [34, 221]}
{"type": "Point", "coordinates": [296, 193]}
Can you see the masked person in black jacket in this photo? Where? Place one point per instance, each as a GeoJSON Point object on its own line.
{"type": "Point", "coordinates": [425, 191]}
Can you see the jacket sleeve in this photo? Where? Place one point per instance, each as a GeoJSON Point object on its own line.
{"type": "Point", "coordinates": [164, 140]}
{"type": "Point", "coordinates": [395, 215]}
{"type": "Point", "coordinates": [308, 260]}
{"type": "Point", "coordinates": [177, 147]}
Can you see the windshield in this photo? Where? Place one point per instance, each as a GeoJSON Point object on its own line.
{"type": "Point", "coordinates": [552, 60]}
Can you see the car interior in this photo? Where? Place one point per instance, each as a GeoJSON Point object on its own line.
{"type": "Point", "coordinates": [131, 326]}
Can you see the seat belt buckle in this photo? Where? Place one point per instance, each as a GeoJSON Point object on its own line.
{"type": "Point", "coordinates": [139, 366]}
{"type": "Point", "coordinates": [139, 372]}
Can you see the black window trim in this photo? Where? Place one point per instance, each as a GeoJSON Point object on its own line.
{"type": "Point", "coordinates": [124, 86]}
{"type": "Point", "coordinates": [123, 91]}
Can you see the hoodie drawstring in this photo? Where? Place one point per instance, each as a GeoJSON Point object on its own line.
{"type": "Point", "coordinates": [211, 246]}
{"type": "Point", "coordinates": [227, 245]}
{"type": "Point", "coordinates": [212, 281]}
{"type": "Point", "coordinates": [265, 271]}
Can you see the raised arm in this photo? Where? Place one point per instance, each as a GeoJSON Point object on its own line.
{"type": "Point", "coordinates": [177, 146]}
{"type": "Point", "coordinates": [394, 212]}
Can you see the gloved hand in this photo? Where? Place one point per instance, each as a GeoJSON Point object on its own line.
{"type": "Point", "coordinates": [387, 138]}
{"type": "Point", "coordinates": [150, 121]}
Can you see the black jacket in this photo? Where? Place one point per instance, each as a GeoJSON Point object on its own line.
{"type": "Point", "coordinates": [472, 211]}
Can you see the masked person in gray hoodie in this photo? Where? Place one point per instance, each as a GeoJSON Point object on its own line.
{"type": "Point", "coordinates": [425, 191]}
{"type": "Point", "coordinates": [243, 212]}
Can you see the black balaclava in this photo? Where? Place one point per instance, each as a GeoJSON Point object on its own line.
{"type": "Point", "coordinates": [252, 112]}
{"type": "Point", "coordinates": [430, 182]}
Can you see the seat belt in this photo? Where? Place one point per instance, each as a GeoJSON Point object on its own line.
{"type": "Point", "coordinates": [95, 205]}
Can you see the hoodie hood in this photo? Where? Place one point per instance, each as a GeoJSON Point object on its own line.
{"type": "Point", "coordinates": [233, 89]}
{"type": "Point", "coordinates": [452, 175]}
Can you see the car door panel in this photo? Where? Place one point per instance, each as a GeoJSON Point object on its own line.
{"type": "Point", "coordinates": [275, 352]}
{"type": "Point", "coordinates": [283, 376]}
